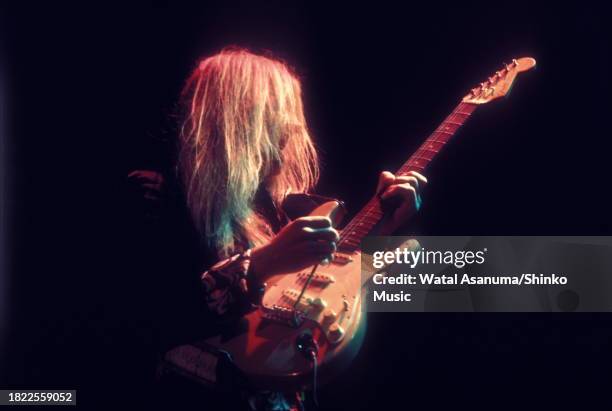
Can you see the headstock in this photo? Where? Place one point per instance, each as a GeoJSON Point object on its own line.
{"type": "Point", "coordinates": [499, 84]}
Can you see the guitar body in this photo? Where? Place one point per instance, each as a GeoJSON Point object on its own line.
{"type": "Point", "coordinates": [264, 343]}
{"type": "Point", "coordinates": [329, 315]}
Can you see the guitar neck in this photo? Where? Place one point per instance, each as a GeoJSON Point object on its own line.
{"type": "Point", "coordinates": [363, 223]}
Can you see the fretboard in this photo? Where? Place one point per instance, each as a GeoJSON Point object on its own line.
{"type": "Point", "coordinates": [363, 223]}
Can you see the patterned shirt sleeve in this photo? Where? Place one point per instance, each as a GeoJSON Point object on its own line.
{"type": "Point", "coordinates": [227, 285]}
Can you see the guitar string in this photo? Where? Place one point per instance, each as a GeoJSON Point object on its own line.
{"type": "Point", "coordinates": [371, 214]}
{"type": "Point", "coordinates": [371, 209]}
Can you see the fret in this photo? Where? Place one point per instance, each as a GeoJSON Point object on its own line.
{"type": "Point", "coordinates": [349, 246]}
{"type": "Point", "coordinates": [351, 241]}
{"type": "Point", "coordinates": [366, 220]}
{"type": "Point", "coordinates": [415, 164]}
{"type": "Point", "coordinates": [409, 168]}
{"type": "Point", "coordinates": [434, 141]}
{"type": "Point", "coordinates": [427, 154]}
{"type": "Point", "coordinates": [434, 146]}
{"type": "Point", "coordinates": [442, 137]}
{"type": "Point", "coordinates": [420, 161]}
{"type": "Point", "coordinates": [429, 146]}
{"type": "Point", "coordinates": [370, 215]}
{"type": "Point", "coordinates": [417, 160]}
{"type": "Point", "coordinates": [459, 116]}
{"type": "Point", "coordinates": [448, 127]}
{"type": "Point", "coordinates": [446, 130]}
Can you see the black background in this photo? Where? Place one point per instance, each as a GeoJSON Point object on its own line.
{"type": "Point", "coordinates": [92, 92]}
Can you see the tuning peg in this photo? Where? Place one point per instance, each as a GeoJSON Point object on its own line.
{"type": "Point", "coordinates": [493, 80]}
{"type": "Point", "coordinates": [514, 62]}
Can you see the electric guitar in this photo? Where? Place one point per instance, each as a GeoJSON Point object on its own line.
{"type": "Point", "coordinates": [311, 322]}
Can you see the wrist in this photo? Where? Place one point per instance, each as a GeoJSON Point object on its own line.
{"type": "Point", "coordinates": [259, 262]}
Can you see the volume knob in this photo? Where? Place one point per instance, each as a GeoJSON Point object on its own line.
{"type": "Point", "coordinates": [335, 333]}
{"type": "Point", "coordinates": [329, 316]}
{"type": "Point", "coordinates": [317, 302]}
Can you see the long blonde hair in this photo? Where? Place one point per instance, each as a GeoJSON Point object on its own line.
{"type": "Point", "coordinates": [243, 125]}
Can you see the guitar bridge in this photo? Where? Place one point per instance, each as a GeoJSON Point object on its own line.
{"type": "Point", "coordinates": [321, 279]}
{"type": "Point", "coordinates": [284, 315]}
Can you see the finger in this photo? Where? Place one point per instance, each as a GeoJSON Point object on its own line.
{"type": "Point", "coordinates": [405, 191]}
{"type": "Point", "coordinates": [325, 234]}
{"type": "Point", "coordinates": [385, 179]}
{"type": "Point", "coordinates": [326, 247]}
{"type": "Point", "coordinates": [313, 222]}
{"type": "Point", "coordinates": [413, 181]}
{"type": "Point", "coordinates": [327, 260]}
{"type": "Point", "coordinates": [422, 179]}
{"type": "Point", "coordinates": [316, 249]}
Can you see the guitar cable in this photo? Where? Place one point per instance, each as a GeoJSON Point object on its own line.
{"type": "Point", "coordinates": [313, 357]}
{"type": "Point", "coordinates": [307, 345]}
{"type": "Point", "coordinates": [309, 348]}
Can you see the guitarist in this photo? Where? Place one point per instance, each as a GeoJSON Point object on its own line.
{"type": "Point", "coordinates": [246, 165]}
